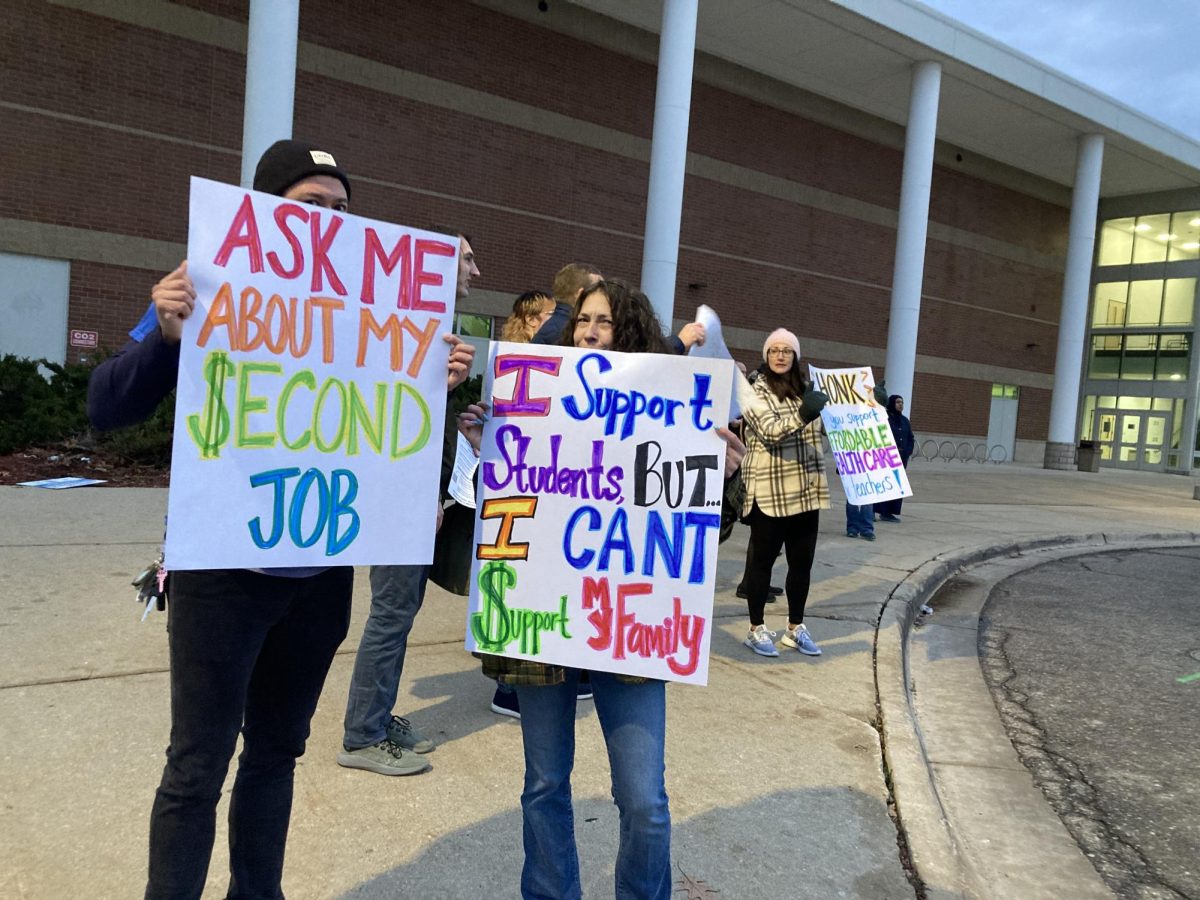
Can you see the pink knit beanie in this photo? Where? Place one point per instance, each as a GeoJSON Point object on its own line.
{"type": "Point", "coordinates": [781, 336]}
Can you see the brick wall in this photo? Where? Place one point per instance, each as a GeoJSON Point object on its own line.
{"type": "Point", "coordinates": [126, 114]}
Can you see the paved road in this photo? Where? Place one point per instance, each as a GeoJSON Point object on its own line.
{"type": "Point", "coordinates": [1089, 660]}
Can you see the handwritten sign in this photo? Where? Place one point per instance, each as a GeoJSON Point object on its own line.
{"type": "Point", "coordinates": [600, 484]}
{"type": "Point", "coordinates": [864, 449]}
{"type": "Point", "coordinates": [312, 387]}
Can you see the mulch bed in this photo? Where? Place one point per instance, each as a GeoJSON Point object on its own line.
{"type": "Point", "coordinates": [36, 463]}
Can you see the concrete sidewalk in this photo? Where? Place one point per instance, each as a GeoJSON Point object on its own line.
{"type": "Point", "coordinates": [776, 770]}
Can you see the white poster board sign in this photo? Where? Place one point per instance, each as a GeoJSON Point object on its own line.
{"type": "Point", "coordinates": [312, 386]}
{"type": "Point", "coordinates": [600, 485]}
{"type": "Point", "coordinates": [864, 449]}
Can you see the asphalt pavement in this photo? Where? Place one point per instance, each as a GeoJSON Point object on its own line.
{"type": "Point", "coordinates": [788, 778]}
{"type": "Point", "coordinates": [1095, 665]}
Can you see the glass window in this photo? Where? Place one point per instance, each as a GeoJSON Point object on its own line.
{"type": "Point", "coordinates": [1178, 300]}
{"type": "Point", "coordinates": [1007, 391]}
{"type": "Point", "coordinates": [1116, 242]}
{"type": "Point", "coordinates": [1161, 404]}
{"type": "Point", "coordinates": [1177, 424]}
{"type": "Point", "coordinates": [1145, 303]}
{"type": "Point", "coordinates": [1173, 357]}
{"type": "Point", "coordinates": [1105, 359]}
{"type": "Point", "coordinates": [1108, 306]}
{"type": "Point", "coordinates": [1151, 236]}
{"type": "Point", "coordinates": [1087, 420]}
{"type": "Point", "coordinates": [1133, 403]}
{"type": "Point", "coordinates": [473, 326]}
{"type": "Point", "coordinates": [1186, 228]}
{"type": "Point", "coordinates": [1137, 357]}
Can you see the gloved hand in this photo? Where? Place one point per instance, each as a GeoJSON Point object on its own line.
{"type": "Point", "coordinates": [881, 393]}
{"type": "Point", "coordinates": [811, 405]}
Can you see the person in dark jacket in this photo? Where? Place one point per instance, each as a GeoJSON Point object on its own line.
{"type": "Point", "coordinates": [889, 510]}
{"type": "Point", "coordinates": [249, 649]}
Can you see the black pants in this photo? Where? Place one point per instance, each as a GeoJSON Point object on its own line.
{"type": "Point", "coordinates": [798, 535]}
{"type": "Point", "coordinates": [249, 653]}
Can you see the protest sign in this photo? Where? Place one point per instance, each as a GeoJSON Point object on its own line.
{"type": "Point", "coordinates": [864, 449]}
{"type": "Point", "coordinates": [600, 485]}
{"type": "Point", "coordinates": [312, 387]}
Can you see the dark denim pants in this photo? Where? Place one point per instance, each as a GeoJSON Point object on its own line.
{"type": "Point", "coordinates": [249, 654]}
{"type": "Point", "coordinates": [860, 519]}
{"type": "Point", "coordinates": [396, 596]}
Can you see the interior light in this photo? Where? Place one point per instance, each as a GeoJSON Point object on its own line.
{"type": "Point", "coordinates": [1190, 245]}
{"type": "Point", "coordinates": [1141, 226]}
{"type": "Point", "coordinates": [1167, 237]}
{"type": "Point", "coordinates": [1195, 222]}
{"type": "Point", "coordinates": [1176, 377]}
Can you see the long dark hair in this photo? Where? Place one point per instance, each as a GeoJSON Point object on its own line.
{"type": "Point", "coordinates": [791, 385]}
{"type": "Point", "coordinates": [636, 328]}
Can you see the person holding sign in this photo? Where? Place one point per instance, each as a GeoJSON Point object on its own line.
{"type": "Point", "coordinates": [249, 648]}
{"type": "Point", "coordinates": [784, 474]}
{"type": "Point", "coordinates": [607, 316]}
{"type": "Point", "coordinates": [889, 510]}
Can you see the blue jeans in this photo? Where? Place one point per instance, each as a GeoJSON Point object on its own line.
{"type": "Point", "coordinates": [860, 519]}
{"type": "Point", "coordinates": [249, 653]}
{"type": "Point", "coordinates": [633, 718]}
{"type": "Point", "coordinates": [396, 596]}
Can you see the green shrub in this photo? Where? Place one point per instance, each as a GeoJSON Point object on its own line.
{"type": "Point", "coordinates": [36, 410]}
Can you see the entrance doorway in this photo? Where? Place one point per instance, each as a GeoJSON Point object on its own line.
{"type": "Point", "coordinates": [1132, 439]}
{"type": "Point", "coordinates": [1002, 422]}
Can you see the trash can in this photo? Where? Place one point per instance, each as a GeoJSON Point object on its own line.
{"type": "Point", "coordinates": [1088, 457]}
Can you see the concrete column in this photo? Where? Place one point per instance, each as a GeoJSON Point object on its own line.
{"type": "Point", "coordinates": [270, 78]}
{"type": "Point", "coordinates": [909, 270]}
{"type": "Point", "coordinates": [1072, 323]}
{"type": "Point", "coordinates": [668, 155]}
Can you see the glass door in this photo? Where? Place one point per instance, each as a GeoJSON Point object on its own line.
{"type": "Point", "coordinates": [1154, 440]}
{"type": "Point", "coordinates": [1106, 430]}
{"type": "Point", "coordinates": [1133, 439]}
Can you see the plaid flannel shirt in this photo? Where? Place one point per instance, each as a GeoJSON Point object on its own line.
{"type": "Point", "coordinates": [784, 468]}
{"type": "Point", "coordinates": [510, 670]}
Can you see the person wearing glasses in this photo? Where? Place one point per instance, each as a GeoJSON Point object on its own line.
{"type": "Point", "coordinates": [784, 475]}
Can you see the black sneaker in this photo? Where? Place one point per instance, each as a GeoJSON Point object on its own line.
{"type": "Point", "coordinates": [505, 703]}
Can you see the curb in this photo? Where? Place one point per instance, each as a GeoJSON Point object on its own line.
{"type": "Point", "coordinates": [937, 859]}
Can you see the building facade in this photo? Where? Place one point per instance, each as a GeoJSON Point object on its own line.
{"type": "Point", "coordinates": [531, 130]}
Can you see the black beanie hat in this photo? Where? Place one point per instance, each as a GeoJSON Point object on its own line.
{"type": "Point", "coordinates": [287, 162]}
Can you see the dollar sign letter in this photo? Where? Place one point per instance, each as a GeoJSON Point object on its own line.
{"type": "Point", "coordinates": [491, 626]}
{"type": "Point", "coordinates": [210, 429]}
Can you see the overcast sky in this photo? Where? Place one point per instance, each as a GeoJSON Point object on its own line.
{"type": "Point", "coordinates": [1145, 53]}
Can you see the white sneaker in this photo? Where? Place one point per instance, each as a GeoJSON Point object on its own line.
{"type": "Point", "coordinates": [761, 641]}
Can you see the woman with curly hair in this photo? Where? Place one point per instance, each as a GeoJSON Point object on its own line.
{"type": "Point", "coordinates": [529, 312]}
{"type": "Point", "coordinates": [608, 315]}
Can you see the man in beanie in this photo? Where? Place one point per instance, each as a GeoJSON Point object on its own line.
{"type": "Point", "coordinates": [249, 649]}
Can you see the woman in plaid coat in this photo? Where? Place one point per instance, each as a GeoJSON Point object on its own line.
{"type": "Point", "coordinates": [784, 474]}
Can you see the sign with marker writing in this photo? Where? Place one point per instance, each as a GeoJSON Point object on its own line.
{"type": "Point", "coordinates": [600, 484]}
{"type": "Point", "coordinates": [312, 386]}
{"type": "Point", "coordinates": [864, 449]}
